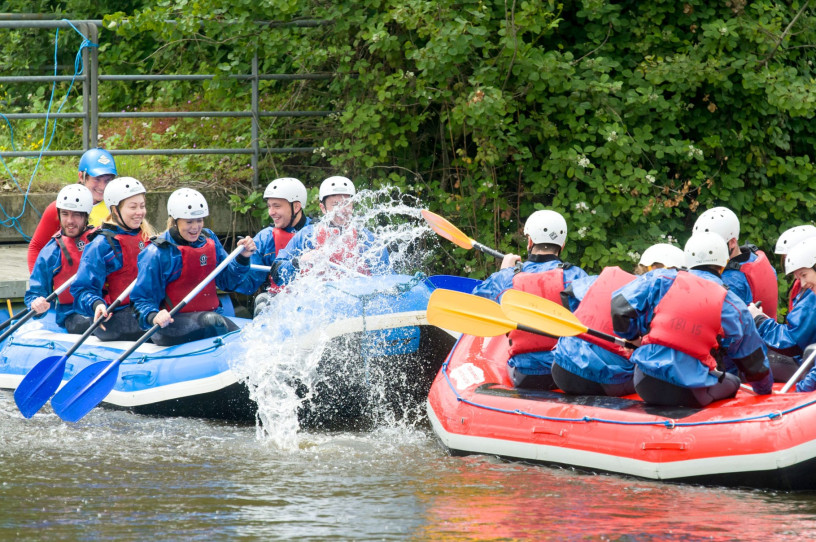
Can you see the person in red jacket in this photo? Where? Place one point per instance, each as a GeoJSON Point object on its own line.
{"type": "Point", "coordinates": [96, 169]}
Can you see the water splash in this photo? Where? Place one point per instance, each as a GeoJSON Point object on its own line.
{"type": "Point", "coordinates": [311, 356]}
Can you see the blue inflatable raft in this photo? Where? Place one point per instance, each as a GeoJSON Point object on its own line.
{"type": "Point", "coordinates": [377, 321]}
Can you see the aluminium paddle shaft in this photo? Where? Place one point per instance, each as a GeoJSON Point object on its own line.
{"type": "Point", "coordinates": [87, 389]}
{"type": "Point", "coordinates": [30, 312]}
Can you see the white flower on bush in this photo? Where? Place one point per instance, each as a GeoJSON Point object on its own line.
{"type": "Point", "coordinates": [694, 152]}
{"type": "Point", "coordinates": [650, 179]}
{"type": "Point", "coordinates": [583, 161]}
{"type": "Point", "coordinates": [613, 136]}
{"type": "Point", "coordinates": [581, 206]}
{"type": "Point", "coordinates": [723, 30]}
{"type": "Point", "coordinates": [582, 232]}
{"type": "Point", "coordinates": [634, 255]}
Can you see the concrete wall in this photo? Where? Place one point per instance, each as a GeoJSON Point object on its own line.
{"type": "Point", "coordinates": [221, 220]}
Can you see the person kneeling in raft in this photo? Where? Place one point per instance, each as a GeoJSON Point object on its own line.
{"type": "Point", "coordinates": [545, 275]}
{"type": "Point", "coordinates": [175, 263]}
{"type": "Point", "coordinates": [686, 318]}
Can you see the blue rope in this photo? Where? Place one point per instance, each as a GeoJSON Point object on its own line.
{"type": "Point", "coordinates": [14, 221]}
{"type": "Point", "coordinates": [218, 342]}
{"type": "Point", "coordinates": [668, 423]}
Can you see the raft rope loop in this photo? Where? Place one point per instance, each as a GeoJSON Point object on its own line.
{"type": "Point", "coordinates": [394, 291]}
{"type": "Point", "coordinates": [669, 423]}
{"type": "Point", "coordinates": [14, 221]}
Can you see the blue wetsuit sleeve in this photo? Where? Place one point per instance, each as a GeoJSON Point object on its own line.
{"type": "Point", "coordinates": [743, 344]}
{"type": "Point", "coordinates": [737, 283]}
{"type": "Point", "coordinates": [47, 265]}
{"type": "Point", "coordinates": [283, 269]}
{"type": "Point", "coordinates": [236, 272]}
{"type": "Point", "coordinates": [265, 255]}
{"type": "Point", "coordinates": [157, 267]}
{"type": "Point", "coordinates": [798, 331]}
{"type": "Point", "coordinates": [98, 261]}
{"type": "Point", "coordinates": [376, 257]}
{"type": "Point", "coordinates": [493, 286]}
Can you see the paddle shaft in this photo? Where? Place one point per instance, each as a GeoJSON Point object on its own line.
{"type": "Point", "coordinates": [610, 338]}
{"type": "Point", "coordinates": [799, 372]}
{"type": "Point", "coordinates": [487, 250]}
{"type": "Point", "coordinates": [31, 312]}
{"type": "Point", "coordinates": [97, 323]}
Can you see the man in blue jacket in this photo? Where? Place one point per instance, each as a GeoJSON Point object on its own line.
{"type": "Point", "coordinates": [688, 322]}
{"type": "Point", "coordinates": [334, 239]}
{"type": "Point", "coordinates": [59, 259]}
{"type": "Point", "coordinates": [285, 200]}
{"type": "Point", "coordinates": [543, 274]}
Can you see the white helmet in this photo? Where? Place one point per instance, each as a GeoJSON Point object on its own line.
{"type": "Point", "coordinates": [719, 220]}
{"type": "Point", "coordinates": [802, 255]}
{"type": "Point", "coordinates": [706, 248]}
{"type": "Point", "coordinates": [287, 188]}
{"type": "Point", "coordinates": [546, 227]}
{"type": "Point", "coordinates": [668, 255]}
{"type": "Point", "coordinates": [336, 185]}
{"type": "Point", "coordinates": [791, 237]}
{"type": "Point", "coordinates": [122, 188]}
{"type": "Point", "coordinates": [187, 203]}
{"type": "Point", "coordinates": [75, 197]}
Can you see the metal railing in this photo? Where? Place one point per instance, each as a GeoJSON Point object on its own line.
{"type": "Point", "coordinates": [90, 79]}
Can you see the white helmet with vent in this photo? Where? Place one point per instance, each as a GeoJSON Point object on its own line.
{"type": "Point", "coordinates": [188, 204]}
{"type": "Point", "coordinates": [334, 186]}
{"type": "Point", "coordinates": [122, 188]}
{"type": "Point", "coordinates": [706, 248]}
{"type": "Point", "coordinates": [664, 253]}
{"type": "Point", "coordinates": [802, 255]}
{"type": "Point", "coordinates": [287, 188]}
{"type": "Point", "coordinates": [792, 236]}
{"type": "Point", "coordinates": [719, 220]}
{"type": "Point", "coordinates": [75, 197]}
{"type": "Point", "coordinates": [546, 227]}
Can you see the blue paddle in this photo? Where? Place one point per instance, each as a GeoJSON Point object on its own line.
{"type": "Point", "coordinates": [31, 312]}
{"type": "Point", "coordinates": [44, 378]}
{"type": "Point", "coordinates": [87, 389]}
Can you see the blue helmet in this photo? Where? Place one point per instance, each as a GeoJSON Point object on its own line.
{"type": "Point", "coordinates": [96, 162]}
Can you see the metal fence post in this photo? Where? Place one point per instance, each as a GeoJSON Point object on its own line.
{"type": "Point", "coordinates": [256, 146]}
{"type": "Point", "coordinates": [93, 74]}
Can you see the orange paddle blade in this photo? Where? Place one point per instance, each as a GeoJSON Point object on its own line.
{"type": "Point", "coordinates": [447, 230]}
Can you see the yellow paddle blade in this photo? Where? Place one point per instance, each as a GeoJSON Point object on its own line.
{"type": "Point", "coordinates": [467, 313]}
{"type": "Point", "coordinates": [541, 314]}
{"type": "Point", "coordinates": [447, 230]}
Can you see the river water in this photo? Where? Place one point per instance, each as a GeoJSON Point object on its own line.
{"type": "Point", "coordinates": [120, 476]}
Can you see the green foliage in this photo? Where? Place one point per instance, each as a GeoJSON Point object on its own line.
{"type": "Point", "coordinates": [630, 118]}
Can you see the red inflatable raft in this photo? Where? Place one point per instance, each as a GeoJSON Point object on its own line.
{"type": "Point", "coordinates": [750, 440]}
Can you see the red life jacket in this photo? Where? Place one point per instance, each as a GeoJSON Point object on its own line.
{"type": "Point", "coordinates": [345, 245]}
{"type": "Point", "coordinates": [689, 318]}
{"type": "Point", "coordinates": [794, 291]}
{"type": "Point", "coordinates": [547, 284]}
{"type": "Point", "coordinates": [196, 264]}
{"type": "Point", "coordinates": [71, 252]}
{"type": "Point", "coordinates": [119, 280]}
{"type": "Point", "coordinates": [281, 238]}
{"type": "Point", "coordinates": [595, 309]}
{"type": "Point", "coordinates": [762, 280]}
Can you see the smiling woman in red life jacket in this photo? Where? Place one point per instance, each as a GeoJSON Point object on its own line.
{"type": "Point", "coordinates": [59, 259]}
{"type": "Point", "coordinates": [177, 261]}
{"type": "Point", "coordinates": [334, 238]}
{"type": "Point", "coordinates": [108, 264]}
{"type": "Point", "coordinates": [285, 199]}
